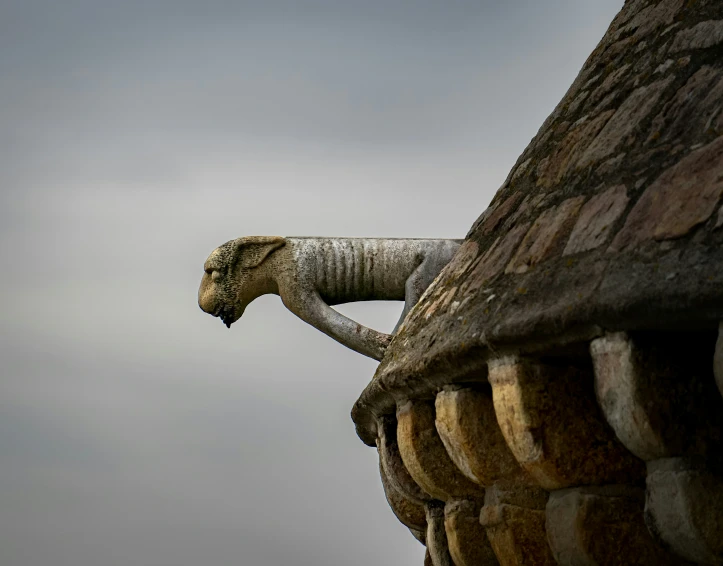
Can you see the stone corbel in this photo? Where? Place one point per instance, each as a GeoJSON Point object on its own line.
{"type": "Point", "coordinates": [553, 426]}
{"type": "Point", "coordinates": [657, 391]}
{"type": "Point", "coordinates": [425, 456]}
{"type": "Point", "coordinates": [515, 522]}
{"type": "Point", "coordinates": [426, 459]}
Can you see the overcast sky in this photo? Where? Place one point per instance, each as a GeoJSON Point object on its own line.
{"type": "Point", "coordinates": [137, 136]}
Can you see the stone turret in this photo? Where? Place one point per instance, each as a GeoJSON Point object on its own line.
{"type": "Point", "coordinates": [552, 397]}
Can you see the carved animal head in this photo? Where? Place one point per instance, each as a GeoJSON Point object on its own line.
{"type": "Point", "coordinates": [234, 276]}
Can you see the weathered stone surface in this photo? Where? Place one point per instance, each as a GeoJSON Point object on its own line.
{"type": "Point", "coordinates": [596, 220]}
{"type": "Point", "coordinates": [611, 165]}
{"type": "Point", "coordinates": [700, 36]}
{"type": "Point", "coordinates": [602, 526]}
{"type": "Point", "coordinates": [436, 535]}
{"type": "Point", "coordinates": [718, 360]}
{"type": "Point", "coordinates": [683, 197]}
{"type": "Point", "coordinates": [657, 393]}
{"type": "Point", "coordinates": [685, 508]}
{"type": "Point", "coordinates": [466, 538]}
{"type": "Point", "coordinates": [570, 149]}
{"type": "Point", "coordinates": [694, 107]}
{"type": "Point", "coordinates": [494, 261]}
{"type": "Point", "coordinates": [624, 122]}
{"type": "Point", "coordinates": [425, 457]}
{"type": "Point", "coordinates": [545, 235]}
{"type": "Point", "coordinates": [610, 82]}
{"type": "Point", "coordinates": [553, 426]}
{"type": "Point", "coordinates": [467, 425]}
{"type": "Point", "coordinates": [515, 525]}
{"type": "Point", "coordinates": [498, 213]}
{"type": "Point", "coordinates": [392, 465]}
{"type": "Point", "coordinates": [652, 17]}
{"type": "Point", "coordinates": [409, 513]}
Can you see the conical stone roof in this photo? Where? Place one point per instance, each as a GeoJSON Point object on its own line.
{"type": "Point", "coordinates": [611, 218]}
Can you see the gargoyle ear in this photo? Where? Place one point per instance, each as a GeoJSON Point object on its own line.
{"type": "Point", "coordinates": [253, 250]}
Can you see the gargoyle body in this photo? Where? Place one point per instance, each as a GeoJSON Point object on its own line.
{"type": "Point", "coordinates": [310, 274]}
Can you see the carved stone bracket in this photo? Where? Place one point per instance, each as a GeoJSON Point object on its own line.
{"type": "Point", "coordinates": [512, 515]}
{"type": "Point", "coordinates": [685, 506]}
{"type": "Point", "coordinates": [391, 462]}
{"type": "Point", "coordinates": [410, 514]}
{"type": "Point", "coordinates": [658, 393]}
{"type": "Point", "coordinates": [425, 457]}
{"type": "Point", "coordinates": [515, 524]}
{"type": "Point", "coordinates": [588, 526]}
{"type": "Point", "coordinates": [437, 535]}
{"type": "Point", "coordinates": [553, 426]}
{"type": "Point", "coordinates": [466, 537]}
{"type": "Point", "coordinates": [467, 425]}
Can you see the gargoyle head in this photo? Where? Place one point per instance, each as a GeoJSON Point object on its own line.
{"type": "Point", "coordinates": [233, 276]}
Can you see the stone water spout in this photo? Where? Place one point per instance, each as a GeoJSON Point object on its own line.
{"type": "Point", "coordinates": [310, 274]}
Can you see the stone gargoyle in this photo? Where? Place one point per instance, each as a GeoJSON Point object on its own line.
{"type": "Point", "coordinates": [310, 274]}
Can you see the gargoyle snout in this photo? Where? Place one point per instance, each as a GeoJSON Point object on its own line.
{"type": "Point", "coordinates": [207, 299]}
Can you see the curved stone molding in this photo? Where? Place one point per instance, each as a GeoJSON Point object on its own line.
{"type": "Point", "coordinates": [589, 527]}
{"type": "Point", "coordinates": [467, 424]}
{"type": "Point", "coordinates": [391, 462]}
{"type": "Point", "coordinates": [437, 535]}
{"type": "Point", "coordinates": [657, 392]}
{"type": "Point", "coordinates": [684, 508]}
{"type": "Point", "coordinates": [515, 525]}
{"type": "Point", "coordinates": [553, 426]}
{"type": "Point", "coordinates": [410, 514]}
{"type": "Point", "coordinates": [425, 457]}
{"type": "Point", "coordinates": [466, 538]}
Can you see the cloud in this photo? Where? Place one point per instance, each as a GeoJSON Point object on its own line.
{"type": "Point", "coordinates": [137, 136]}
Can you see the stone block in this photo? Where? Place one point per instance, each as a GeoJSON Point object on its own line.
{"type": "Point", "coordinates": [437, 535]}
{"type": "Point", "coordinates": [546, 233]}
{"type": "Point", "coordinates": [467, 424]}
{"type": "Point", "coordinates": [596, 220]}
{"type": "Point", "coordinates": [568, 153]}
{"type": "Point", "coordinates": [684, 196]}
{"type": "Point", "coordinates": [466, 537]}
{"type": "Point", "coordinates": [684, 507]}
{"type": "Point", "coordinates": [425, 456]}
{"type": "Point", "coordinates": [602, 526]}
{"type": "Point", "coordinates": [392, 465]}
{"type": "Point", "coordinates": [693, 109]}
{"type": "Point", "coordinates": [515, 525]}
{"type": "Point", "coordinates": [700, 36]}
{"type": "Point", "coordinates": [410, 513]}
{"type": "Point", "coordinates": [626, 121]}
{"type": "Point", "coordinates": [552, 424]}
{"type": "Point", "coordinates": [496, 258]}
{"type": "Point", "coordinates": [657, 392]}
{"type": "Point", "coordinates": [494, 215]}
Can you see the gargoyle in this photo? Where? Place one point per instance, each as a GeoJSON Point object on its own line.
{"type": "Point", "coordinates": [310, 274]}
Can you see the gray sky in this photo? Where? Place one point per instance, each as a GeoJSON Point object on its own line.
{"type": "Point", "coordinates": [135, 137]}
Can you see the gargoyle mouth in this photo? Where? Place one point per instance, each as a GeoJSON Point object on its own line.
{"type": "Point", "coordinates": [228, 315]}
